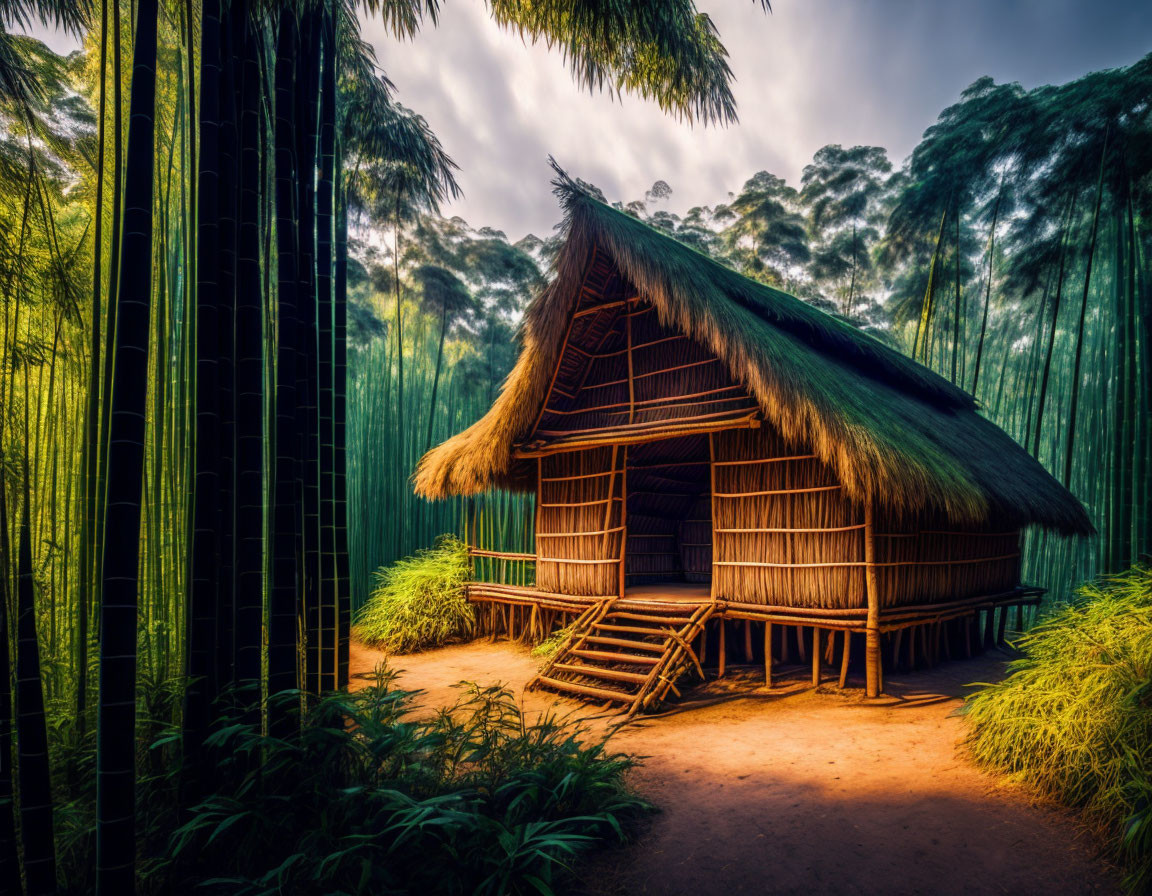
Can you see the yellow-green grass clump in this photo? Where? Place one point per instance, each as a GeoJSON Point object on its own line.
{"type": "Point", "coordinates": [1073, 719]}
{"type": "Point", "coordinates": [419, 601]}
{"type": "Point", "coordinates": [550, 646]}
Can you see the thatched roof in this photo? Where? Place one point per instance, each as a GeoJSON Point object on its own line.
{"type": "Point", "coordinates": [888, 426]}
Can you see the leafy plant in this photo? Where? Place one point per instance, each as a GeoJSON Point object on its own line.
{"type": "Point", "coordinates": [364, 799]}
{"type": "Point", "coordinates": [419, 602]}
{"type": "Point", "coordinates": [1073, 720]}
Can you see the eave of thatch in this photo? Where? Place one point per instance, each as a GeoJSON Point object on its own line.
{"type": "Point", "coordinates": [889, 427]}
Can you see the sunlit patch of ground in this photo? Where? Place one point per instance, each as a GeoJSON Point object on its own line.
{"type": "Point", "coordinates": [801, 791]}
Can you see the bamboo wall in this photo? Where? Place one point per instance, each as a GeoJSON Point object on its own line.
{"type": "Point", "coordinates": [927, 559]}
{"type": "Point", "coordinates": [785, 533]}
{"type": "Point", "coordinates": [580, 522]}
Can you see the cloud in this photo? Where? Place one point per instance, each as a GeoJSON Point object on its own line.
{"type": "Point", "coordinates": [813, 72]}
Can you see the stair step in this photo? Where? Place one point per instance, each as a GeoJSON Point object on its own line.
{"type": "Point", "coordinates": [636, 630]}
{"type": "Point", "coordinates": [586, 690]}
{"type": "Point", "coordinates": [647, 617]}
{"type": "Point", "coordinates": [624, 642]}
{"type": "Point", "coordinates": [600, 672]}
{"type": "Point", "coordinates": [615, 657]}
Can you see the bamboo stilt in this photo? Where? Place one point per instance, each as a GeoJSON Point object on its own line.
{"type": "Point", "coordinates": [816, 658]}
{"type": "Point", "coordinates": [723, 649]}
{"type": "Point", "coordinates": [844, 659]}
{"type": "Point", "coordinates": [768, 654]}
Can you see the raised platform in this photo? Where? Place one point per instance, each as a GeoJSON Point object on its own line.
{"type": "Point", "coordinates": [902, 637]}
{"type": "Point", "coordinates": [680, 596]}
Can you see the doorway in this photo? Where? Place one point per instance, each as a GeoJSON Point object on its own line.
{"type": "Point", "coordinates": [669, 519]}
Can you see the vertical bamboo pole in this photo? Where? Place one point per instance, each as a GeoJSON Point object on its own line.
{"type": "Point", "coordinates": [622, 571]}
{"type": "Point", "coordinates": [768, 654]}
{"type": "Point", "coordinates": [712, 502]}
{"type": "Point", "coordinates": [723, 647]}
{"type": "Point", "coordinates": [872, 635]}
{"type": "Point", "coordinates": [815, 656]}
{"type": "Point", "coordinates": [536, 511]}
{"type": "Point", "coordinates": [631, 377]}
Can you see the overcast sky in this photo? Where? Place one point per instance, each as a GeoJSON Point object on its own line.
{"type": "Point", "coordinates": [813, 72]}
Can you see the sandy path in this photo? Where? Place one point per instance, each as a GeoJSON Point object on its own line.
{"type": "Point", "coordinates": [802, 791]}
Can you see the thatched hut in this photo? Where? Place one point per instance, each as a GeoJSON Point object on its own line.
{"type": "Point", "coordinates": [708, 448]}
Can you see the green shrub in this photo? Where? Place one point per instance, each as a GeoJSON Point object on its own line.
{"type": "Point", "coordinates": [419, 602]}
{"type": "Point", "coordinates": [1073, 719]}
{"type": "Point", "coordinates": [365, 799]}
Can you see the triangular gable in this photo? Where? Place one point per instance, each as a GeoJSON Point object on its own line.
{"type": "Point", "coordinates": [623, 377]}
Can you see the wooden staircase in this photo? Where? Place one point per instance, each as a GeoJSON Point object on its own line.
{"type": "Point", "coordinates": [629, 658]}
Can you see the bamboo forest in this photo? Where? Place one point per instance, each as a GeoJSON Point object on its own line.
{"type": "Point", "coordinates": [373, 520]}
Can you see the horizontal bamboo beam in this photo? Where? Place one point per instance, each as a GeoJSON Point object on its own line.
{"type": "Point", "coordinates": [641, 376]}
{"type": "Point", "coordinates": [605, 306]}
{"type": "Point", "coordinates": [577, 477]}
{"type": "Point", "coordinates": [585, 503]}
{"type": "Point", "coordinates": [861, 563]}
{"type": "Point", "coordinates": [673, 406]}
{"type": "Point", "coordinates": [655, 401]}
{"type": "Point", "coordinates": [580, 562]}
{"type": "Point", "coordinates": [765, 460]}
{"type": "Point", "coordinates": [634, 427]}
{"type": "Point", "coordinates": [790, 531]}
{"type": "Point", "coordinates": [638, 346]}
{"type": "Point", "coordinates": [779, 491]}
{"type": "Point", "coordinates": [501, 555]}
{"type": "Point", "coordinates": [623, 436]}
{"type": "Point", "coordinates": [580, 534]}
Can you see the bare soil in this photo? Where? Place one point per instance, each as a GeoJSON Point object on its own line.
{"type": "Point", "coordinates": [802, 790]}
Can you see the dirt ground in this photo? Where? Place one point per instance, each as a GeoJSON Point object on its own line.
{"type": "Point", "coordinates": [797, 790]}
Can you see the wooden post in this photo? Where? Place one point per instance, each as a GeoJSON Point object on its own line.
{"type": "Point", "coordinates": [768, 654]}
{"type": "Point", "coordinates": [873, 671]}
{"type": "Point", "coordinates": [815, 656]}
{"type": "Point", "coordinates": [723, 648]}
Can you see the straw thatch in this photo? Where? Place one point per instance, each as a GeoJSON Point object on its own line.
{"type": "Point", "coordinates": [887, 428]}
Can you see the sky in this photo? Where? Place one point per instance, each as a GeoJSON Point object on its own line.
{"type": "Point", "coordinates": [810, 73]}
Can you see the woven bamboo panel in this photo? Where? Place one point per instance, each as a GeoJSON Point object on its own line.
{"type": "Point", "coordinates": [927, 560]}
{"type": "Point", "coordinates": [786, 534]}
{"type": "Point", "coordinates": [580, 519]}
